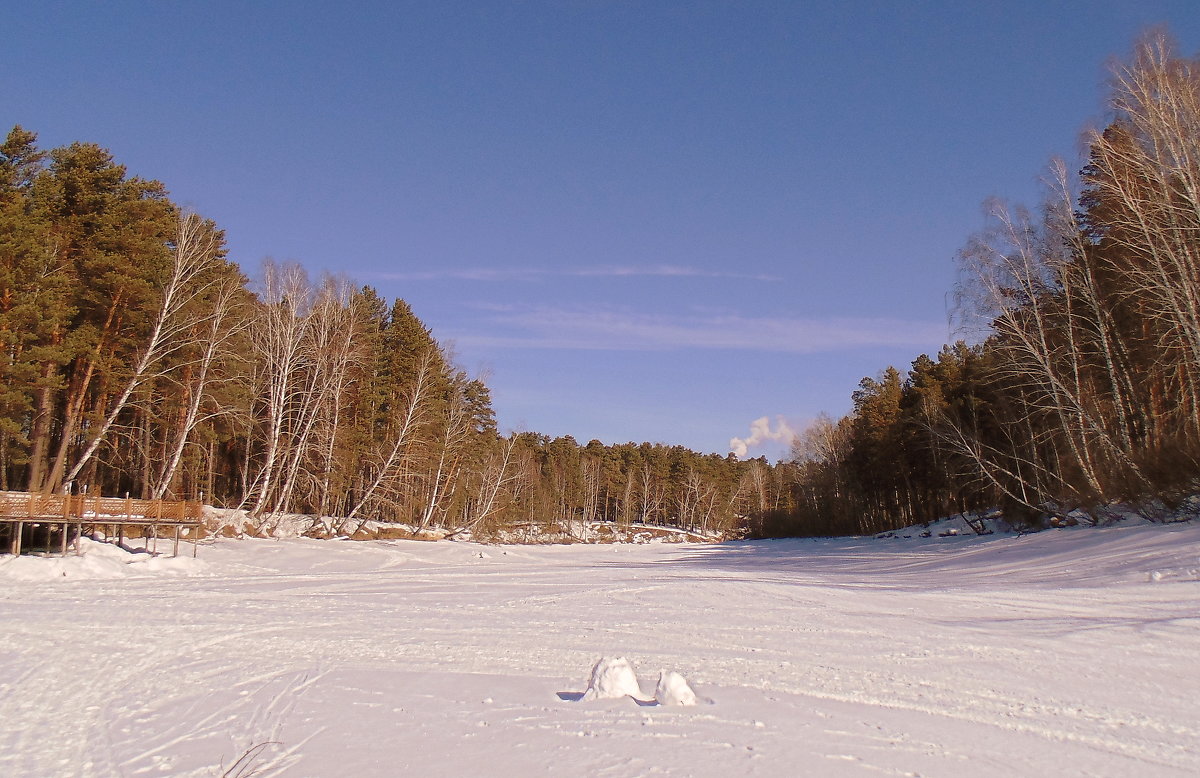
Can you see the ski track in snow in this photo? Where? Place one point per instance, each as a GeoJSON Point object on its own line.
{"type": "Point", "coordinates": [1065, 653]}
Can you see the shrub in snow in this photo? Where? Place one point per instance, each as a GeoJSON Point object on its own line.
{"type": "Point", "coordinates": [673, 689]}
{"type": "Point", "coordinates": [613, 677]}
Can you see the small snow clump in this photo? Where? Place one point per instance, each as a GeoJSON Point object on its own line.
{"type": "Point", "coordinates": [612, 677]}
{"type": "Point", "coordinates": [673, 689]}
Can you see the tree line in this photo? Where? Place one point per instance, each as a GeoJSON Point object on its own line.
{"type": "Point", "coordinates": [1085, 388]}
{"type": "Point", "coordinates": [139, 360]}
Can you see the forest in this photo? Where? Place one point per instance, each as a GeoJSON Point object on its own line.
{"type": "Point", "coordinates": [1081, 385]}
{"type": "Point", "coordinates": [139, 359]}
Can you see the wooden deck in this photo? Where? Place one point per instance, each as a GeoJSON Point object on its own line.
{"type": "Point", "coordinates": [23, 513]}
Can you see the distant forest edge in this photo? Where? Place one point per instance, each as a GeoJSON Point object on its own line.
{"type": "Point", "coordinates": [136, 359]}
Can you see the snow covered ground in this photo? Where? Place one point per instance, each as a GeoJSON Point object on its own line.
{"type": "Point", "coordinates": [1066, 653]}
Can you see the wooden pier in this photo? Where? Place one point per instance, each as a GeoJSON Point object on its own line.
{"type": "Point", "coordinates": [25, 513]}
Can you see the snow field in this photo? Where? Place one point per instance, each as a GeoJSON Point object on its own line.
{"type": "Point", "coordinates": [1052, 654]}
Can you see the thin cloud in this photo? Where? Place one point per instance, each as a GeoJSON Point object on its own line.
{"type": "Point", "coordinates": [539, 274]}
{"type": "Point", "coordinates": [555, 328]}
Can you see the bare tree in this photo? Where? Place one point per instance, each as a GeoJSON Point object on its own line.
{"type": "Point", "coordinates": [333, 346]}
{"type": "Point", "coordinates": [500, 480]}
{"type": "Point", "coordinates": [286, 380]}
{"type": "Point", "coordinates": [651, 494]}
{"type": "Point", "coordinates": [591, 472]}
{"type": "Point", "coordinates": [213, 338]}
{"type": "Point", "coordinates": [393, 460]}
{"type": "Point", "coordinates": [1014, 271]}
{"type": "Point", "coordinates": [195, 263]}
{"type": "Point", "coordinates": [1146, 168]}
{"type": "Point", "coordinates": [442, 477]}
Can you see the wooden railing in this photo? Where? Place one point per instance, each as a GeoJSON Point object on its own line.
{"type": "Point", "coordinates": [34, 505]}
{"type": "Point", "coordinates": [112, 514]}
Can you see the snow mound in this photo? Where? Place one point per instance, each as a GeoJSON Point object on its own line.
{"type": "Point", "coordinates": [612, 678]}
{"type": "Point", "coordinates": [96, 561]}
{"type": "Point", "coordinates": [673, 689]}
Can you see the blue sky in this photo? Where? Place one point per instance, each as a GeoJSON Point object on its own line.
{"type": "Point", "coordinates": [643, 221]}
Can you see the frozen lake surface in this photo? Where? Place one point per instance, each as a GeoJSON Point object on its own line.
{"type": "Point", "coordinates": [1066, 653]}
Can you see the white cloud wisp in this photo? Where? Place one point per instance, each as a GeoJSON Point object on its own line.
{"type": "Point", "coordinates": [615, 330]}
{"type": "Point", "coordinates": [538, 274]}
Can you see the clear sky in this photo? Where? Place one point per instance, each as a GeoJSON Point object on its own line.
{"type": "Point", "coordinates": [644, 220]}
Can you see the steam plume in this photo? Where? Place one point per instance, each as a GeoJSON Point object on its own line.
{"type": "Point", "coordinates": [760, 433]}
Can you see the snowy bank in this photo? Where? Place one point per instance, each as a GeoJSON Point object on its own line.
{"type": "Point", "coordinates": [238, 523]}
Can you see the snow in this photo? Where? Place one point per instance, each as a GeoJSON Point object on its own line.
{"type": "Point", "coordinates": [673, 689]}
{"type": "Point", "coordinates": [98, 561]}
{"type": "Point", "coordinates": [613, 678]}
{"type": "Point", "coordinates": [1057, 653]}
{"type": "Point", "coordinates": [237, 522]}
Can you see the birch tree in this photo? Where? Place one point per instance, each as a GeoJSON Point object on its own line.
{"type": "Point", "coordinates": [214, 336]}
{"type": "Point", "coordinates": [286, 383]}
{"type": "Point", "coordinates": [1143, 182]}
{"type": "Point", "coordinates": [194, 270]}
{"type": "Point", "coordinates": [392, 461]}
{"type": "Point", "coordinates": [499, 483]}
